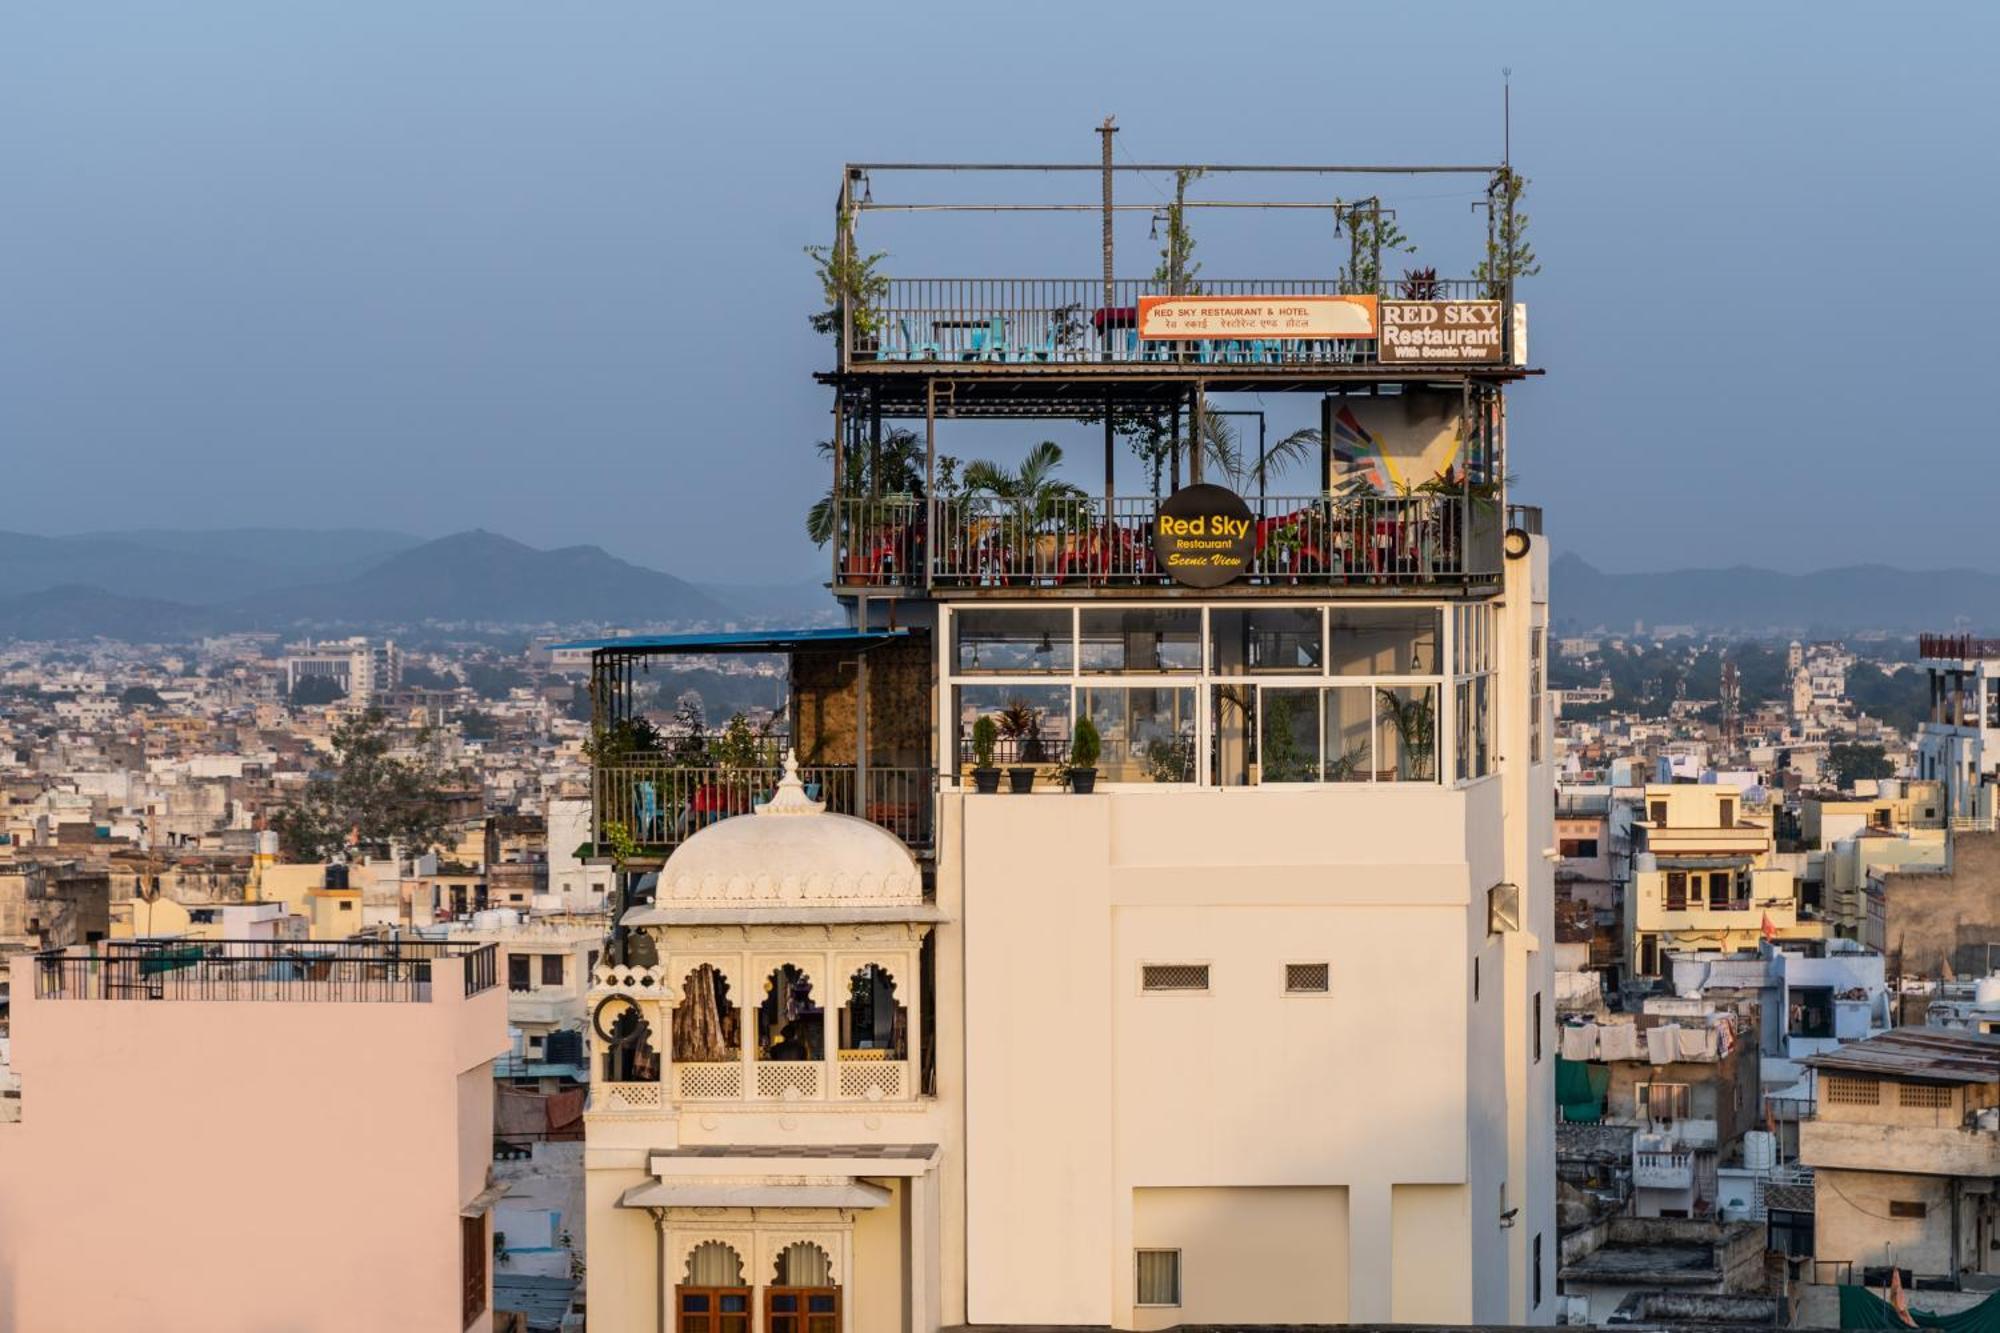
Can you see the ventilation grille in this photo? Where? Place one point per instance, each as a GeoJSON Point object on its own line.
{"type": "Point", "coordinates": [1306, 978]}
{"type": "Point", "coordinates": [1923, 1094]}
{"type": "Point", "coordinates": [1174, 976]}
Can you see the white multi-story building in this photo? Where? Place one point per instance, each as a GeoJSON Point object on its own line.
{"type": "Point", "coordinates": [361, 667]}
{"type": "Point", "coordinates": [1252, 1024]}
{"type": "Point", "coordinates": [1959, 745]}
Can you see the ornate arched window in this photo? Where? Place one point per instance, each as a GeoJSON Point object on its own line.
{"type": "Point", "coordinates": [627, 1039]}
{"type": "Point", "coordinates": [714, 1263]}
{"type": "Point", "coordinates": [803, 1264]}
{"type": "Point", "coordinates": [871, 1020]}
{"type": "Point", "coordinates": [714, 1298]}
{"type": "Point", "coordinates": [706, 1026]}
{"type": "Point", "coordinates": [790, 1022]}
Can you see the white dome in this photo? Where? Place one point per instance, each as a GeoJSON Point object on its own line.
{"type": "Point", "coordinates": [791, 851]}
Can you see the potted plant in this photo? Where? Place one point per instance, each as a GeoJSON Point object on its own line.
{"type": "Point", "coordinates": [1084, 747]}
{"type": "Point", "coordinates": [985, 735]}
{"type": "Point", "coordinates": [1021, 723]}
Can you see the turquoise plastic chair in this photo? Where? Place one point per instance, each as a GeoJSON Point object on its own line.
{"type": "Point", "coordinates": [912, 349]}
{"type": "Point", "coordinates": [649, 811]}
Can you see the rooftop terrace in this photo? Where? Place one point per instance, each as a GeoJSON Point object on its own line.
{"type": "Point", "coordinates": [394, 970]}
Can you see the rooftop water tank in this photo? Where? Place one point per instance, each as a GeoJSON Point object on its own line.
{"type": "Point", "coordinates": [1986, 990]}
{"type": "Point", "coordinates": [1760, 1150]}
{"type": "Point", "coordinates": [1645, 862]}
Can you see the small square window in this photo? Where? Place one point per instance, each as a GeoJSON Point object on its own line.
{"type": "Point", "coordinates": [1908, 1208]}
{"type": "Point", "coordinates": [1307, 978]}
{"type": "Point", "coordinates": [1174, 977]}
{"type": "Point", "coordinates": [1158, 1274]}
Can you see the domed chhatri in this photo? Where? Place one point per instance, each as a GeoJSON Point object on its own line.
{"type": "Point", "coordinates": [792, 851]}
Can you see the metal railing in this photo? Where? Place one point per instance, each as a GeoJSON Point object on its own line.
{"type": "Point", "coordinates": [1068, 321]}
{"type": "Point", "coordinates": [301, 970]}
{"type": "Point", "coordinates": [1527, 518]}
{"type": "Point", "coordinates": [661, 804]}
{"type": "Point", "coordinates": [985, 541]}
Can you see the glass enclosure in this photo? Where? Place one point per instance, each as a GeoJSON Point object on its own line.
{"type": "Point", "coordinates": [1229, 696]}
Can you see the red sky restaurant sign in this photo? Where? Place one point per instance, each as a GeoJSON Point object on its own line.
{"type": "Point", "coordinates": [1204, 536]}
{"type": "Point", "coordinates": [1440, 332]}
{"type": "Point", "coordinates": [1256, 317]}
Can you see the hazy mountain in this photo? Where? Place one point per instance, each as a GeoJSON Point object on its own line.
{"type": "Point", "coordinates": [482, 576]}
{"type": "Point", "coordinates": [78, 612]}
{"type": "Point", "coordinates": [201, 568]}
{"type": "Point", "coordinates": [1765, 601]}
{"type": "Point", "coordinates": [793, 605]}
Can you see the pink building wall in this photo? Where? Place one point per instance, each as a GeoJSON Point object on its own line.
{"type": "Point", "coordinates": [244, 1165]}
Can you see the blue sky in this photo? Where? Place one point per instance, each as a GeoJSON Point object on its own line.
{"type": "Point", "coordinates": [536, 267]}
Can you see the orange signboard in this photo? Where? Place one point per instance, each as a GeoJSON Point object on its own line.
{"type": "Point", "coordinates": [1257, 317]}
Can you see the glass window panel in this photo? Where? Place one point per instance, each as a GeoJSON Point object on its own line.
{"type": "Point", "coordinates": [735, 1304]}
{"type": "Point", "coordinates": [784, 1304]}
{"type": "Point", "coordinates": [1288, 740]}
{"type": "Point", "coordinates": [1232, 742]}
{"type": "Point", "coordinates": [1142, 640]}
{"type": "Point", "coordinates": [819, 1304]}
{"type": "Point", "coordinates": [1398, 641]}
{"type": "Point", "coordinates": [1032, 720]}
{"type": "Point", "coordinates": [1462, 747]}
{"type": "Point", "coordinates": [694, 1301]}
{"type": "Point", "coordinates": [1014, 642]}
{"type": "Point", "coordinates": [1265, 640]}
{"type": "Point", "coordinates": [1482, 725]}
{"type": "Point", "coordinates": [1148, 734]}
{"type": "Point", "coordinates": [1158, 1277]}
{"type": "Point", "coordinates": [1406, 733]}
{"type": "Point", "coordinates": [1350, 733]}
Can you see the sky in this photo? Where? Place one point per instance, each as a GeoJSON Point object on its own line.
{"type": "Point", "coordinates": [538, 268]}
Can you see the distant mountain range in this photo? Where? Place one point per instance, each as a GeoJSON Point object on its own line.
{"type": "Point", "coordinates": [1763, 601]}
{"type": "Point", "coordinates": [163, 586]}
{"type": "Point", "coordinates": [160, 585]}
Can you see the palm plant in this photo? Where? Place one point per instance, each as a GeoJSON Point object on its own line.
{"type": "Point", "coordinates": [1222, 451]}
{"type": "Point", "coordinates": [1036, 503]}
{"type": "Point", "coordinates": [901, 473]}
{"type": "Point", "coordinates": [1415, 723]}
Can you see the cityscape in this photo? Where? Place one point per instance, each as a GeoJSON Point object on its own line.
{"type": "Point", "coordinates": [1169, 803]}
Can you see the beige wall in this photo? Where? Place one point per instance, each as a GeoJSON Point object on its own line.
{"type": "Point", "coordinates": [303, 1164]}
{"type": "Point", "coordinates": [1248, 1255]}
{"type": "Point", "coordinates": [1432, 1225]}
{"type": "Point", "coordinates": [1851, 1220]}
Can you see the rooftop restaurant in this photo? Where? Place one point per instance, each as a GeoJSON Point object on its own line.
{"type": "Point", "coordinates": [1399, 484]}
{"type": "Point", "coordinates": [1283, 573]}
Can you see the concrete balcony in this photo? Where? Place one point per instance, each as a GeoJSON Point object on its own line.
{"type": "Point", "coordinates": [1663, 1170]}
{"type": "Point", "coordinates": [1918, 1149]}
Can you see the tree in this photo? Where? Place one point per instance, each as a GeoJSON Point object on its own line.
{"type": "Point", "coordinates": [417, 676]}
{"type": "Point", "coordinates": [492, 680]}
{"type": "Point", "coordinates": [141, 696]}
{"type": "Point", "coordinates": [368, 802]}
{"type": "Point", "coordinates": [900, 472]}
{"type": "Point", "coordinates": [1508, 253]}
{"type": "Point", "coordinates": [1178, 267]}
{"type": "Point", "coordinates": [478, 725]}
{"type": "Point", "coordinates": [315, 690]}
{"type": "Point", "coordinates": [849, 277]}
{"type": "Point", "coordinates": [1370, 233]}
{"type": "Point", "coordinates": [1859, 763]}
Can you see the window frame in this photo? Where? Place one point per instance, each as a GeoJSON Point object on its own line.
{"type": "Point", "coordinates": [561, 969]}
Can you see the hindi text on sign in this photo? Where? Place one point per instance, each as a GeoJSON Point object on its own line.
{"type": "Point", "coordinates": [1208, 317]}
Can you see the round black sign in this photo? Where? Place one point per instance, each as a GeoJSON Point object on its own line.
{"type": "Point", "coordinates": [1204, 536]}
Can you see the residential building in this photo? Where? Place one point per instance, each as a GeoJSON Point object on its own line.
{"type": "Point", "coordinates": [1154, 1008]}
{"type": "Point", "coordinates": [344, 1184]}
{"type": "Point", "coordinates": [1706, 877]}
{"type": "Point", "coordinates": [1904, 1145]}
{"type": "Point", "coordinates": [1959, 745]}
